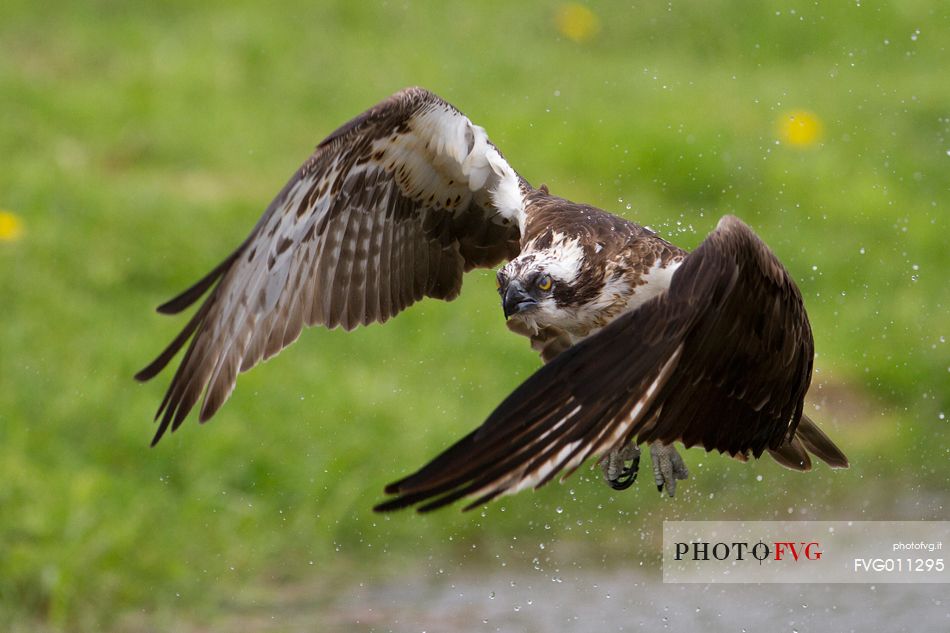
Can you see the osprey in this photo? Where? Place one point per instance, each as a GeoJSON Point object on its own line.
{"type": "Point", "coordinates": [643, 342]}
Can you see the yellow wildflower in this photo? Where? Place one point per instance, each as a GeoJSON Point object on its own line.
{"type": "Point", "coordinates": [576, 22]}
{"type": "Point", "coordinates": [11, 228]}
{"type": "Point", "coordinates": [800, 128]}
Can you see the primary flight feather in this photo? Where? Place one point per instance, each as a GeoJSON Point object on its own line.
{"type": "Point", "coordinates": [644, 342]}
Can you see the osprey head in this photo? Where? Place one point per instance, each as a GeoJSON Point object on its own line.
{"type": "Point", "coordinates": [532, 286]}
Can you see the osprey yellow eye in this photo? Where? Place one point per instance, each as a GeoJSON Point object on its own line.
{"type": "Point", "coordinates": [545, 283]}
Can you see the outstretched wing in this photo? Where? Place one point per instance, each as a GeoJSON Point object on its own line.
{"type": "Point", "coordinates": [721, 360]}
{"type": "Point", "coordinates": [392, 207]}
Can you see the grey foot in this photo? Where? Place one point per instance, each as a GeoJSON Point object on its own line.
{"type": "Point", "coordinates": [668, 466]}
{"type": "Point", "coordinates": [618, 474]}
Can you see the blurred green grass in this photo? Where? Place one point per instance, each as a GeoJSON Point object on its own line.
{"type": "Point", "coordinates": [140, 142]}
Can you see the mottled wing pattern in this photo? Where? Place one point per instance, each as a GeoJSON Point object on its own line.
{"type": "Point", "coordinates": [746, 372]}
{"type": "Point", "coordinates": [392, 207]}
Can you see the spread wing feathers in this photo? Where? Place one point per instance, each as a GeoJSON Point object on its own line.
{"type": "Point", "coordinates": [731, 332]}
{"type": "Point", "coordinates": [393, 206]}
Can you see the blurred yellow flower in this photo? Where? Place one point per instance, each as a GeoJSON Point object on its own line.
{"type": "Point", "coordinates": [11, 228]}
{"type": "Point", "coordinates": [800, 128]}
{"type": "Point", "coordinates": [576, 22]}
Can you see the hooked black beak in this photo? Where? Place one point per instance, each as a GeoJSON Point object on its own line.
{"type": "Point", "coordinates": [516, 299]}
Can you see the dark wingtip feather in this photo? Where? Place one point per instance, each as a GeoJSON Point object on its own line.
{"type": "Point", "coordinates": [792, 455]}
{"type": "Point", "coordinates": [820, 444]}
{"type": "Point", "coordinates": [406, 498]}
{"type": "Point", "coordinates": [146, 374]}
{"type": "Point", "coordinates": [157, 365]}
{"type": "Point", "coordinates": [162, 426]}
{"type": "Point", "coordinates": [398, 503]}
{"type": "Point", "coordinates": [441, 502]}
{"type": "Point", "coordinates": [181, 301]}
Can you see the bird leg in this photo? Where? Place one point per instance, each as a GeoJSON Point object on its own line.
{"type": "Point", "coordinates": [619, 476]}
{"type": "Point", "coordinates": [668, 466]}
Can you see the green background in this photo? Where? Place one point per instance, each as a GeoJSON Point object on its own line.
{"type": "Point", "coordinates": [139, 142]}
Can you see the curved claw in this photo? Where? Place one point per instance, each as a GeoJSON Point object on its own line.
{"type": "Point", "coordinates": [668, 467]}
{"type": "Point", "coordinates": [627, 476]}
{"type": "Point", "coordinates": [618, 474]}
